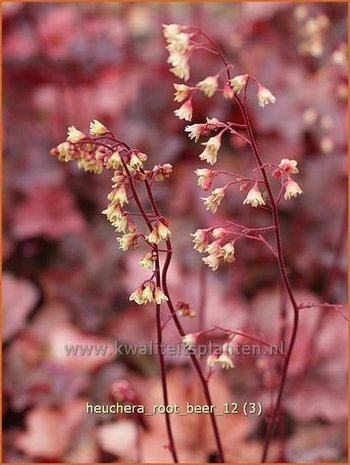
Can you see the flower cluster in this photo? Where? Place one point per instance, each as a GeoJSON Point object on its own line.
{"type": "Point", "coordinates": [283, 172]}
{"type": "Point", "coordinates": [178, 45]}
{"type": "Point", "coordinates": [263, 95]}
{"type": "Point", "coordinates": [148, 293]}
{"type": "Point", "coordinates": [221, 358]}
{"type": "Point", "coordinates": [215, 250]}
{"type": "Point", "coordinates": [99, 151]}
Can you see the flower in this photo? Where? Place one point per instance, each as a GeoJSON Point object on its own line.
{"type": "Point", "coordinates": [159, 233]}
{"type": "Point", "coordinates": [195, 131]}
{"type": "Point", "coordinates": [289, 166]}
{"type": "Point", "coordinates": [208, 86]}
{"type": "Point", "coordinates": [147, 261]}
{"type": "Point", "coordinates": [118, 196]}
{"type": "Point", "coordinates": [120, 223]}
{"type": "Point", "coordinates": [210, 152]}
{"type": "Point", "coordinates": [74, 135]}
{"type": "Point", "coordinates": [213, 201]}
{"type": "Point", "coordinates": [179, 43]}
{"type": "Point", "coordinates": [292, 189]}
{"type": "Point", "coordinates": [159, 296]}
{"type": "Point", "coordinates": [254, 197]}
{"type": "Point", "coordinates": [238, 82]}
{"type": "Point", "coordinates": [229, 252]}
{"type": "Point", "coordinates": [161, 172]}
{"type": "Point", "coordinates": [135, 162]}
{"type": "Point", "coordinates": [200, 240]}
{"type": "Point", "coordinates": [225, 361]}
{"type": "Point", "coordinates": [185, 111]}
{"type": "Point", "coordinates": [170, 31]}
{"type": "Point", "coordinates": [215, 249]}
{"type": "Point", "coordinates": [137, 296]}
{"type": "Point", "coordinates": [215, 253]}
{"type": "Point", "coordinates": [97, 128]}
{"type": "Point", "coordinates": [163, 231]}
{"type": "Point", "coordinates": [63, 152]}
{"type": "Point", "coordinates": [213, 261]}
{"type": "Point", "coordinates": [205, 178]}
{"type": "Point", "coordinates": [128, 240]}
{"type": "Point", "coordinates": [147, 293]}
{"type": "Point", "coordinates": [114, 162]}
{"type": "Point", "coordinates": [227, 92]}
{"type": "Point", "coordinates": [265, 96]}
{"type": "Point", "coordinates": [219, 233]}
{"type": "Point", "coordinates": [184, 309]}
{"type": "Point", "coordinates": [181, 69]}
{"type": "Point", "coordinates": [182, 92]}
{"type": "Point", "coordinates": [190, 340]}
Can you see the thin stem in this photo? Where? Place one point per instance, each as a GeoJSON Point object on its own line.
{"type": "Point", "coordinates": [163, 373]}
{"type": "Point", "coordinates": [280, 255]}
{"type": "Point", "coordinates": [193, 357]}
{"type": "Point", "coordinates": [285, 280]}
{"type": "Point", "coordinates": [172, 447]}
{"type": "Point", "coordinates": [182, 333]}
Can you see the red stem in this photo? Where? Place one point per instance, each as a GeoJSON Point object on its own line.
{"type": "Point", "coordinates": [193, 357]}
{"type": "Point", "coordinates": [280, 258]}
{"type": "Point", "coordinates": [172, 447]}
{"type": "Point", "coordinates": [182, 333]}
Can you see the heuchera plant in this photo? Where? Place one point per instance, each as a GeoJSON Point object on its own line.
{"type": "Point", "coordinates": [140, 224]}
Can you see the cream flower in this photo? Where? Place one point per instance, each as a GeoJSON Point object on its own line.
{"type": "Point", "coordinates": [179, 43]}
{"type": "Point", "coordinates": [213, 261]}
{"type": "Point", "coordinates": [159, 233]}
{"type": "Point", "coordinates": [292, 189]}
{"type": "Point", "coordinates": [170, 31]}
{"type": "Point", "coordinates": [137, 296]}
{"type": "Point", "coordinates": [119, 196]}
{"type": "Point", "coordinates": [74, 135]}
{"type": "Point", "coordinates": [147, 293]}
{"type": "Point", "coordinates": [195, 131]}
{"type": "Point", "coordinates": [205, 177]}
{"type": "Point", "coordinates": [147, 261]}
{"type": "Point", "coordinates": [97, 128]}
{"type": "Point", "coordinates": [219, 233]}
{"type": "Point", "coordinates": [114, 162]}
{"type": "Point", "coordinates": [200, 240]}
{"type": "Point", "coordinates": [225, 361]}
{"type": "Point", "coordinates": [159, 296]}
{"type": "Point", "coordinates": [190, 340]}
{"type": "Point", "coordinates": [238, 82]}
{"type": "Point", "coordinates": [185, 111]}
{"type": "Point", "coordinates": [229, 252]}
{"type": "Point", "coordinates": [208, 86]}
{"type": "Point", "coordinates": [265, 96]}
{"type": "Point", "coordinates": [163, 231]}
{"type": "Point", "coordinates": [181, 68]}
{"type": "Point", "coordinates": [128, 240]}
{"type": "Point", "coordinates": [120, 223]}
{"type": "Point", "coordinates": [254, 197]}
{"type": "Point", "coordinates": [213, 201]}
{"type": "Point", "coordinates": [135, 162]}
{"type": "Point", "coordinates": [182, 92]}
{"type": "Point", "coordinates": [210, 152]}
{"type": "Point", "coordinates": [63, 150]}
